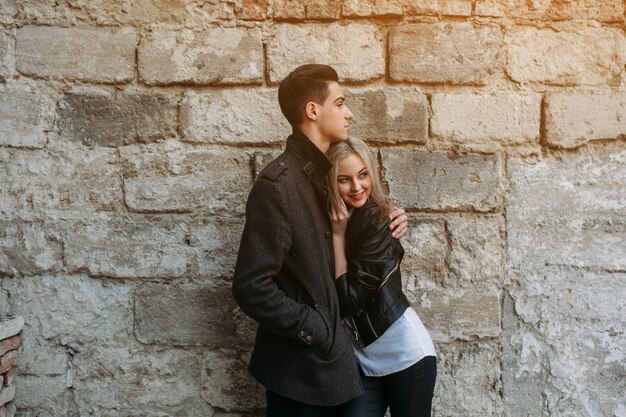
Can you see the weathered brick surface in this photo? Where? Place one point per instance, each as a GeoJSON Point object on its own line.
{"type": "Point", "coordinates": [468, 380]}
{"type": "Point", "coordinates": [7, 394]}
{"type": "Point", "coordinates": [226, 383]}
{"type": "Point", "coordinates": [437, 181]}
{"type": "Point", "coordinates": [117, 119]}
{"type": "Point", "coordinates": [47, 182]}
{"type": "Point", "coordinates": [25, 116]}
{"type": "Point", "coordinates": [215, 56]}
{"type": "Point", "coordinates": [45, 393]}
{"type": "Point", "coordinates": [8, 361]}
{"type": "Point", "coordinates": [9, 344]}
{"type": "Point", "coordinates": [84, 54]}
{"type": "Point", "coordinates": [128, 247]}
{"type": "Point", "coordinates": [207, 179]}
{"type": "Point", "coordinates": [568, 211]}
{"type": "Point", "coordinates": [589, 56]}
{"type": "Point", "coordinates": [506, 118]}
{"type": "Point", "coordinates": [306, 9]}
{"type": "Point", "coordinates": [457, 53]}
{"type": "Point", "coordinates": [6, 46]}
{"type": "Point", "coordinates": [8, 328]}
{"type": "Point", "coordinates": [165, 315]}
{"type": "Point", "coordinates": [604, 10]}
{"type": "Point", "coordinates": [9, 377]}
{"type": "Point", "coordinates": [28, 248]}
{"type": "Point", "coordinates": [425, 252]}
{"type": "Point", "coordinates": [208, 117]}
{"type": "Point", "coordinates": [131, 379]}
{"type": "Point", "coordinates": [216, 240]}
{"type": "Point", "coordinates": [365, 8]}
{"type": "Point", "coordinates": [389, 114]}
{"type": "Point", "coordinates": [360, 8]}
{"type": "Point", "coordinates": [356, 51]}
{"type": "Point", "coordinates": [577, 117]}
{"type": "Point", "coordinates": [458, 314]}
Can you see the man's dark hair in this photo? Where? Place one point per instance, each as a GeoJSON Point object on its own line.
{"type": "Point", "coordinates": [306, 83]}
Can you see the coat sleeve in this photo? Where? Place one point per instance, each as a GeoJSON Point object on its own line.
{"type": "Point", "coordinates": [264, 246]}
{"type": "Point", "coordinates": [372, 257]}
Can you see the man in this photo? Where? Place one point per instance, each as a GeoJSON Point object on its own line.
{"type": "Point", "coordinates": [284, 273]}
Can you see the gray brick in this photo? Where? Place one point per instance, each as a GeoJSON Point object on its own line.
{"type": "Point", "coordinates": [215, 56]}
{"type": "Point", "coordinates": [25, 117]}
{"type": "Point", "coordinates": [208, 117]}
{"type": "Point", "coordinates": [506, 118]}
{"type": "Point", "coordinates": [117, 119]}
{"type": "Point", "coordinates": [575, 118]}
{"type": "Point", "coordinates": [28, 248]}
{"type": "Point", "coordinates": [356, 51]}
{"type": "Point", "coordinates": [6, 56]}
{"type": "Point", "coordinates": [425, 255]}
{"type": "Point", "coordinates": [456, 53]}
{"type": "Point", "coordinates": [216, 240]}
{"type": "Point", "coordinates": [389, 114]}
{"type": "Point", "coordinates": [84, 54]}
{"type": "Point", "coordinates": [185, 317]}
{"type": "Point", "coordinates": [589, 56]}
{"type": "Point", "coordinates": [437, 181]}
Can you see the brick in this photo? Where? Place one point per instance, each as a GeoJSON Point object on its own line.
{"type": "Point", "coordinates": [468, 379]}
{"type": "Point", "coordinates": [215, 56]}
{"type": "Point", "coordinates": [359, 8]}
{"type": "Point", "coordinates": [458, 314]}
{"type": "Point", "coordinates": [604, 10]}
{"type": "Point", "coordinates": [575, 118]}
{"type": "Point", "coordinates": [51, 182]}
{"type": "Point", "coordinates": [389, 114]}
{"type": "Point", "coordinates": [436, 181]}
{"type": "Point", "coordinates": [165, 315]}
{"type": "Point", "coordinates": [46, 393]}
{"type": "Point", "coordinates": [7, 394]}
{"type": "Point", "coordinates": [216, 240]}
{"type": "Point", "coordinates": [367, 8]}
{"type": "Point", "coordinates": [589, 56]}
{"type": "Point", "coordinates": [226, 383]}
{"type": "Point", "coordinates": [576, 214]}
{"type": "Point", "coordinates": [25, 117]}
{"type": "Point", "coordinates": [208, 117]}
{"type": "Point", "coordinates": [505, 118]}
{"type": "Point", "coordinates": [28, 248]}
{"type": "Point", "coordinates": [70, 309]}
{"type": "Point", "coordinates": [8, 361]}
{"type": "Point", "coordinates": [457, 53]}
{"type": "Point", "coordinates": [306, 9]}
{"type": "Point", "coordinates": [7, 11]}
{"type": "Point", "coordinates": [6, 53]}
{"type": "Point", "coordinates": [128, 247]}
{"type": "Point", "coordinates": [117, 119]}
{"type": "Point", "coordinates": [82, 54]}
{"type": "Point", "coordinates": [10, 326]}
{"type": "Point", "coordinates": [9, 377]}
{"type": "Point", "coordinates": [206, 179]}
{"type": "Point", "coordinates": [425, 255]}
{"type": "Point", "coordinates": [356, 51]}
{"type": "Point", "coordinates": [256, 10]}
{"type": "Point", "coordinates": [11, 343]}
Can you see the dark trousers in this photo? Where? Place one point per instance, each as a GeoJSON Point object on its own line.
{"type": "Point", "coordinates": [408, 393]}
{"type": "Point", "coordinates": [278, 406]}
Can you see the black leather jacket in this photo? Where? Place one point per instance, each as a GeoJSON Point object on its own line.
{"type": "Point", "coordinates": [370, 293]}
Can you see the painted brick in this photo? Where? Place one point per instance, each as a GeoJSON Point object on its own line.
{"type": "Point", "coordinates": [589, 56]}
{"type": "Point", "coordinates": [214, 56]}
{"type": "Point", "coordinates": [388, 114]}
{"type": "Point", "coordinates": [84, 54]}
{"type": "Point", "coordinates": [575, 118]}
{"type": "Point", "coordinates": [506, 118]}
{"type": "Point", "coordinates": [25, 117]}
{"type": "Point", "coordinates": [437, 181]}
{"type": "Point", "coordinates": [208, 117]}
{"type": "Point", "coordinates": [117, 119]}
{"type": "Point", "coordinates": [356, 51]}
{"type": "Point", "coordinates": [457, 53]}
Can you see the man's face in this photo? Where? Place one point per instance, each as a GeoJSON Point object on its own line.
{"type": "Point", "coordinates": [333, 116]}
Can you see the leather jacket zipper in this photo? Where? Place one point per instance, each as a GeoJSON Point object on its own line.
{"type": "Point", "coordinates": [367, 316]}
{"type": "Point", "coordinates": [385, 281]}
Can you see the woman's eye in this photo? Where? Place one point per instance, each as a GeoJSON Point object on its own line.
{"type": "Point", "coordinates": [364, 174]}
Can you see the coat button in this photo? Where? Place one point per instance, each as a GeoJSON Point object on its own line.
{"type": "Point", "coordinates": [302, 334]}
{"type": "Point", "coordinates": [308, 338]}
{"type": "Point", "coordinates": [327, 234]}
{"type": "Point", "coordinates": [282, 164]}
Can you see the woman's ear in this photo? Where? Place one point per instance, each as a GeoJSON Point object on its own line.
{"type": "Point", "coordinates": [310, 110]}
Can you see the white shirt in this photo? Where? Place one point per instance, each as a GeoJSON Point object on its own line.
{"type": "Point", "coordinates": [405, 343]}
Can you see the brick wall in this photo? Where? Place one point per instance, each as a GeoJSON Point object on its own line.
{"type": "Point", "coordinates": [131, 132]}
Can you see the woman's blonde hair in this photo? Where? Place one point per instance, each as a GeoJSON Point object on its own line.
{"type": "Point", "coordinates": [341, 150]}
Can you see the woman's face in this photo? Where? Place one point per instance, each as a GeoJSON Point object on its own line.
{"type": "Point", "coordinates": [353, 181]}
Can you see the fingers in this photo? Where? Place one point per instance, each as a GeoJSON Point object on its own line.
{"type": "Point", "coordinates": [400, 231]}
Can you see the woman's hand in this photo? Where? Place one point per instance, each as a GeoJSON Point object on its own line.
{"type": "Point", "coordinates": [339, 219]}
{"type": "Point", "coordinates": [398, 222]}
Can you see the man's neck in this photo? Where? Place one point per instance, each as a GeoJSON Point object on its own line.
{"type": "Point", "coordinates": [315, 137]}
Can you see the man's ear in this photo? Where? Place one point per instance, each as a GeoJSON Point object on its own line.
{"type": "Point", "coordinates": [310, 110]}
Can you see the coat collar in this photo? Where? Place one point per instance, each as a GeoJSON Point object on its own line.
{"type": "Point", "coordinates": [313, 159]}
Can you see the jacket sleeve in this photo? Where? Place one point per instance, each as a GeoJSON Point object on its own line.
{"type": "Point", "coordinates": [372, 258]}
{"type": "Point", "coordinates": [265, 243]}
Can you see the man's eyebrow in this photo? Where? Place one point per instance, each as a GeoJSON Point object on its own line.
{"type": "Point", "coordinates": [339, 98]}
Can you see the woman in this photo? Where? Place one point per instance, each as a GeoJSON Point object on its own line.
{"type": "Point", "coordinates": [392, 346]}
